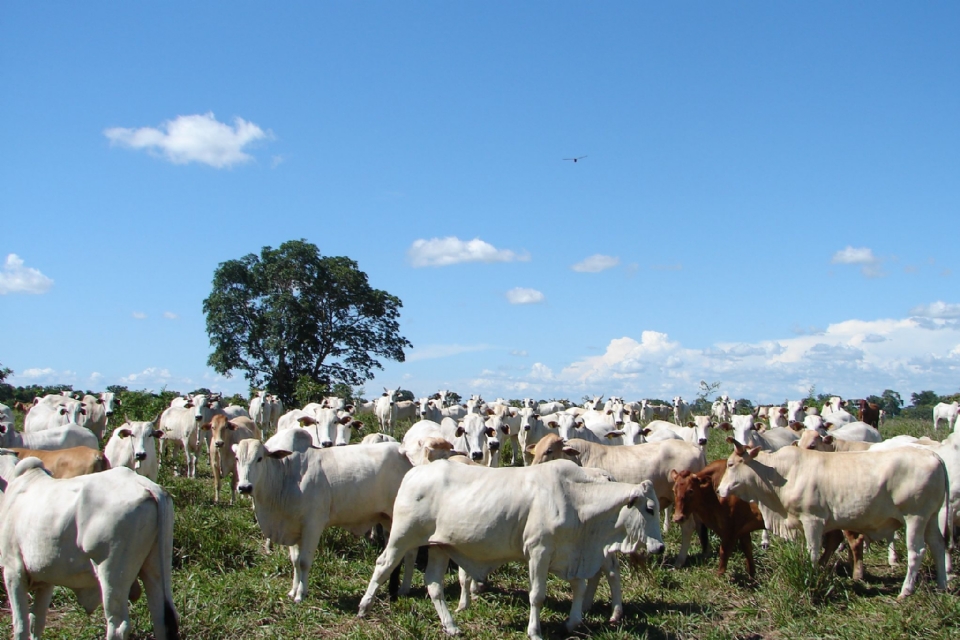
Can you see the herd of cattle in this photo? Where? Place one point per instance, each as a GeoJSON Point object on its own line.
{"type": "Point", "coordinates": [592, 484]}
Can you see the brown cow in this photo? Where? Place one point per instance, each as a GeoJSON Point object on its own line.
{"type": "Point", "coordinates": [223, 435]}
{"type": "Point", "coordinates": [869, 413]}
{"type": "Point", "coordinates": [68, 463]}
{"type": "Point", "coordinates": [695, 494]}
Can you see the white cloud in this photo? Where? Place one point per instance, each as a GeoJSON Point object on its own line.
{"type": "Point", "coordinates": [36, 372]}
{"type": "Point", "coordinates": [596, 263]}
{"type": "Point", "coordinates": [147, 376]}
{"type": "Point", "coordinates": [139, 315]}
{"type": "Point", "coordinates": [434, 351]}
{"type": "Point", "coordinates": [520, 353]}
{"type": "Point", "coordinates": [853, 358]}
{"type": "Point", "coordinates": [170, 315]}
{"type": "Point", "coordinates": [442, 252]}
{"type": "Point", "coordinates": [195, 138]}
{"type": "Point", "coordinates": [938, 309]}
{"type": "Point", "coordinates": [520, 295]}
{"type": "Point", "coordinates": [870, 265]}
{"type": "Point", "coordinates": [16, 278]}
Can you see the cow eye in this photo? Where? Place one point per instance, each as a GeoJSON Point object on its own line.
{"type": "Point", "coordinates": [649, 509]}
{"type": "Point", "coordinates": [259, 458]}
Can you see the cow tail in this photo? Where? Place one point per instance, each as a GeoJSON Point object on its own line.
{"type": "Point", "coordinates": [165, 525]}
{"type": "Point", "coordinates": [948, 522]}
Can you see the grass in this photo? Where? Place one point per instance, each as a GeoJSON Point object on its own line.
{"type": "Point", "coordinates": [226, 587]}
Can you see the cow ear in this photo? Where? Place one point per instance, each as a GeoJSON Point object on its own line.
{"type": "Point", "coordinates": [691, 423]}
{"type": "Point", "coordinates": [725, 426]}
{"type": "Point", "coordinates": [306, 420]}
{"type": "Point", "coordinates": [553, 424]}
{"type": "Point", "coordinates": [460, 431]}
{"type": "Point", "coordinates": [795, 443]}
{"type": "Point", "coordinates": [704, 482]}
{"type": "Point", "coordinates": [157, 433]}
{"type": "Point", "coordinates": [232, 426]}
{"type": "Point", "coordinates": [673, 475]}
{"type": "Point", "coordinates": [491, 432]}
{"type": "Point", "coordinates": [124, 433]}
{"type": "Point", "coordinates": [356, 424]}
{"type": "Point", "coordinates": [205, 426]}
{"type": "Point", "coordinates": [645, 431]}
{"type": "Point", "coordinates": [345, 420]}
{"type": "Point", "coordinates": [530, 448]}
{"type": "Point", "coordinates": [570, 451]}
{"type": "Point", "coordinates": [753, 452]}
{"type": "Point", "coordinates": [505, 428]}
{"type": "Point", "coordinates": [279, 455]}
{"type": "Point", "coordinates": [828, 439]}
{"type": "Point", "coordinates": [616, 433]}
{"type": "Point", "coordinates": [796, 426]}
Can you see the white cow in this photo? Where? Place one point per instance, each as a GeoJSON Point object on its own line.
{"type": "Point", "coordinates": [377, 438]}
{"type": "Point", "coordinates": [745, 429]}
{"type": "Point", "coordinates": [429, 409]}
{"type": "Point", "coordinates": [546, 408]}
{"type": "Point", "coordinates": [635, 463]}
{"type": "Point", "coordinates": [871, 492]}
{"type": "Point", "coordinates": [134, 445]}
{"type": "Point", "coordinates": [298, 495]}
{"type": "Point", "coordinates": [223, 435]}
{"type": "Point", "coordinates": [62, 437]}
{"type": "Point", "coordinates": [259, 410]}
{"type": "Point", "coordinates": [532, 429]}
{"type": "Point", "coordinates": [681, 411]}
{"type": "Point", "coordinates": [948, 412]}
{"type": "Point", "coordinates": [329, 427]}
{"type": "Point", "coordinates": [94, 534]}
{"type": "Point", "coordinates": [556, 517]}
{"type": "Point", "coordinates": [180, 431]}
{"type": "Point", "coordinates": [53, 411]}
{"type": "Point", "coordinates": [99, 409]}
{"type": "Point", "coordinates": [795, 411]}
{"type": "Point", "coordinates": [406, 410]}
{"type": "Point", "coordinates": [386, 410]}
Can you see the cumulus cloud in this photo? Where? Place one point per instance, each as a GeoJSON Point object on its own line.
{"type": "Point", "coordinates": [139, 315]}
{"type": "Point", "coordinates": [147, 376]}
{"type": "Point", "coordinates": [520, 353]}
{"type": "Point", "coordinates": [442, 252]}
{"type": "Point", "coordinates": [16, 278]}
{"type": "Point", "coordinates": [520, 295]}
{"type": "Point", "coordinates": [596, 263]}
{"type": "Point", "coordinates": [196, 138]}
{"type": "Point", "coordinates": [170, 315]}
{"type": "Point", "coordinates": [938, 309]}
{"type": "Point", "coordinates": [863, 256]}
{"type": "Point", "coordinates": [35, 372]}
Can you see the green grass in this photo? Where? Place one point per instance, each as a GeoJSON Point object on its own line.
{"type": "Point", "coordinates": [226, 587]}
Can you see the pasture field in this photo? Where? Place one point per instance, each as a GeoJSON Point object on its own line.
{"type": "Point", "coordinates": [226, 587]}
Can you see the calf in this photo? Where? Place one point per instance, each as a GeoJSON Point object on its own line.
{"type": "Point", "coordinates": [731, 518]}
{"type": "Point", "coordinates": [869, 413]}
{"type": "Point", "coordinates": [180, 431]}
{"type": "Point", "coordinates": [67, 463]}
{"type": "Point", "coordinates": [223, 435]}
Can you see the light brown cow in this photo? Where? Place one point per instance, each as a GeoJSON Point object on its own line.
{"type": "Point", "coordinates": [68, 463]}
{"type": "Point", "coordinates": [223, 435]}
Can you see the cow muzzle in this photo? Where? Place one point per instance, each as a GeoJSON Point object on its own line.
{"type": "Point", "coordinates": [702, 441]}
{"type": "Point", "coordinates": [326, 444]}
{"type": "Point", "coordinates": [218, 444]}
{"type": "Point", "coordinates": [140, 455]}
{"type": "Point", "coordinates": [246, 488]}
{"type": "Point", "coordinates": [494, 445]}
{"type": "Point", "coordinates": [476, 456]}
{"type": "Point", "coordinates": [655, 547]}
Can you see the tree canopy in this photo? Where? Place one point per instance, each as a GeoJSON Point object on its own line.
{"type": "Point", "coordinates": [291, 312]}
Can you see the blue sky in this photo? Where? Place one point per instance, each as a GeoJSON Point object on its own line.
{"type": "Point", "coordinates": [769, 196]}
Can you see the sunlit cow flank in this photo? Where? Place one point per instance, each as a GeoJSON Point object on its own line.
{"type": "Point", "coordinates": [556, 517]}
{"type": "Point", "coordinates": [121, 528]}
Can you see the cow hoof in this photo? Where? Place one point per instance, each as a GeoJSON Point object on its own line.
{"type": "Point", "coordinates": [451, 631]}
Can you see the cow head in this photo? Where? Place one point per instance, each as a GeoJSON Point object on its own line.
{"type": "Point", "coordinates": [252, 456]}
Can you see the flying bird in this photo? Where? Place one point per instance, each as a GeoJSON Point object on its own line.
{"type": "Point", "coordinates": [575, 159]}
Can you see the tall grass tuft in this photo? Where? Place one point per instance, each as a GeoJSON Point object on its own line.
{"type": "Point", "coordinates": [805, 581]}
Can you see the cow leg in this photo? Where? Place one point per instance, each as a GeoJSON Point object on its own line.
{"type": "Point", "coordinates": [813, 532]}
{"type": "Point", "coordinates": [16, 584]}
{"type": "Point", "coordinates": [764, 539]}
{"type": "Point", "coordinates": [302, 557]}
{"type": "Point", "coordinates": [686, 533]}
{"type": "Point", "coordinates": [115, 588]}
{"type": "Point", "coordinates": [409, 562]}
{"type": "Point", "coordinates": [387, 561]}
{"type": "Point", "coordinates": [746, 545]}
{"type": "Point", "coordinates": [162, 613]}
{"type": "Point", "coordinates": [704, 535]}
{"type": "Point", "coordinates": [727, 544]}
{"type": "Point", "coordinates": [41, 604]}
{"type": "Point", "coordinates": [914, 540]}
{"type": "Point", "coordinates": [538, 566]}
{"type": "Point", "coordinates": [433, 576]}
{"type": "Point", "coordinates": [611, 565]}
{"type": "Point", "coordinates": [579, 587]}
{"type": "Point", "coordinates": [466, 586]}
{"type": "Point", "coordinates": [514, 445]}
{"type": "Point", "coordinates": [937, 548]}
{"type": "Point", "coordinates": [855, 543]}
{"type": "Point", "coordinates": [667, 518]}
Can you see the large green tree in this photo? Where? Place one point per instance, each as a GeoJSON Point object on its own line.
{"type": "Point", "coordinates": [291, 312]}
